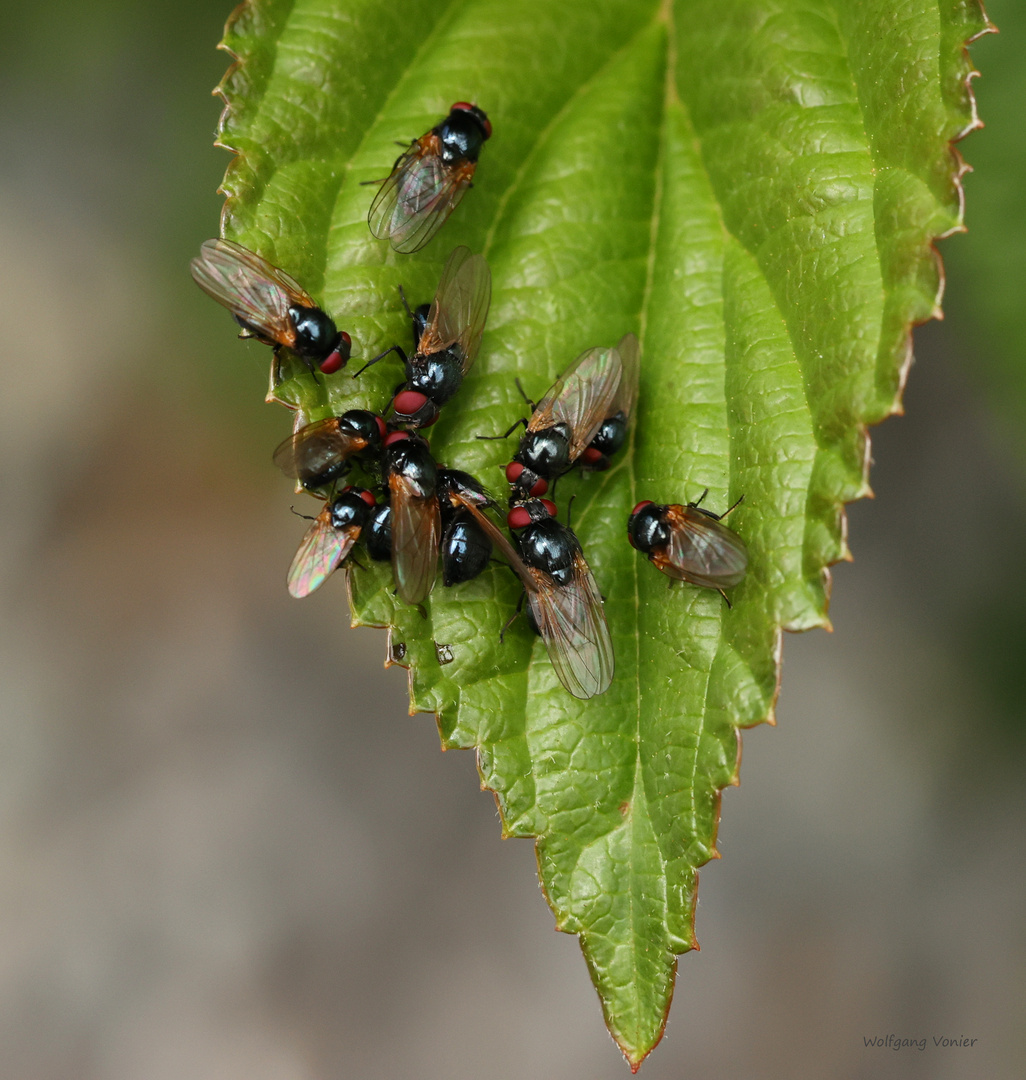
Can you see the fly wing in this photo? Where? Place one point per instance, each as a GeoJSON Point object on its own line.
{"type": "Point", "coordinates": [581, 397]}
{"type": "Point", "coordinates": [318, 555]}
{"type": "Point", "coordinates": [704, 551]}
{"type": "Point", "coordinates": [627, 393]}
{"type": "Point", "coordinates": [250, 287]}
{"type": "Point", "coordinates": [572, 623]}
{"type": "Point", "coordinates": [315, 448]}
{"type": "Point", "coordinates": [417, 197]}
{"type": "Point", "coordinates": [460, 307]}
{"type": "Point", "coordinates": [416, 531]}
{"type": "Point", "coordinates": [503, 545]}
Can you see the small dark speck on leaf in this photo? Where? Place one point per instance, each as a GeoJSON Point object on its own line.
{"type": "Point", "coordinates": [397, 651]}
{"type": "Point", "coordinates": [444, 654]}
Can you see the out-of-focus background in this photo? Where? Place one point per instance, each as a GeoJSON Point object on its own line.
{"type": "Point", "coordinates": [226, 851]}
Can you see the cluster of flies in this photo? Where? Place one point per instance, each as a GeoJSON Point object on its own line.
{"type": "Point", "coordinates": [418, 509]}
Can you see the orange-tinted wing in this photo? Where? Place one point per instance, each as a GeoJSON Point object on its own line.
{"type": "Point", "coordinates": [250, 287]}
{"type": "Point", "coordinates": [581, 397]}
{"type": "Point", "coordinates": [319, 554]}
{"type": "Point", "coordinates": [627, 392]}
{"type": "Point", "coordinates": [416, 531]}
{"type": "Point", "coordinates": [418, 196]}
{"type": "Point", "coordinates": [315, 448]}
{"type": "Point", "coordinates": [460, 307]}
{"type": "Point", "coordinates": [572, 623]}
{"type": "Point", "coordinates": [702, 550]}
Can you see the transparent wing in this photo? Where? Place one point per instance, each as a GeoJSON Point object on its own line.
{"type": "Point", "coordinates": [250, 288]}
{"type": "Point", "coordinates": [416, 531]}
{"type": "Point", "coordinates": [572, 623]}
{"type": "Point", "coordinates": [460, 307]}
{"type": "Point", "coordinates": [418, 196]}
{"type": "Point", "coordinates": [315, 448]}
{"type": "Point", "coordinates": [627, 392]}
{"type": "Point", "coordinates": [704, 551]}
{"type": "Point", "coordinates": [501, 543]}
{"type": "Point", "coordinates": [581, 397]}
{"type": "Point", "coordinates": [319, 554]}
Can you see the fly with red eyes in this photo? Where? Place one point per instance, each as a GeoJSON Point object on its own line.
{"type": "Point", "coordinates": [564, 422]}
{"type": "Point", "coordinates": [563, 601]}
{"type": "Point", "coordinates": [612, 432]}
{"type": "Point", "coordinates": [428, 180]}
{"type": "Point", "coordinates": [329, 540]}
{"type": "Point", "coordinates": [411, 477]}
{"type": "Point", "coordinates": [446, 336]}
{"type": "Point", "coordinates": [689, 543]}
{"type": "Point", "coordinates": [318, 454]}
{"type": "Point", "coordinates": [269, 305]}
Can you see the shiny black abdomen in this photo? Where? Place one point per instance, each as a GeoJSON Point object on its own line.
{"type": "Point", "coordinates": [611, 435]}
{"type": "Point", "coordinates": [330, 475]}
{"type": "Point", "coordinates": [437, 376]}
{"type": "Point", "coordinates": [411, 459]}
{"type": "Point", "coordinates": [377, 534]}
{"type": "Point", "coordinates": [316, 333]}
{"type": "Point", "coordinates": [462, 137]}
{"type": "Point", "coordinates": [648, 528]}
{"type": "Point", "coordinates": [349, 510]}
{"type": "Point", "coordinates": [545, 452]}
{"type": "Point", "coordinates": [550, 547]}
{"type": "Point", "coordinates": [465, 549]}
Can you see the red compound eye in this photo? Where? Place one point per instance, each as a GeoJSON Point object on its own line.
{"type": "Point", "coordinates": [513, 471]}
{"type": "Point", "coordinates": [518, 518]}
{"type": "Point", "coordinates": [550, 506]}
{"type": "Point", "coordinates": [332, 362]}
{"type": "Point", "coordinates": [591, 455]}
{"type": "Point", "coordinates": [347, 340]}
{"type": "Point", "coordinates": [396, 436]}
{"type": "Point", "coordinates": [641, 506]}
{"type": "Point", "coordinates": [382, 429]}
{"type": "Point", "coordinates": [409, 402]}
{"type": "Point", "coordinates": [539, 487]}
{"type": "Point", "coordinates": [368, 498]}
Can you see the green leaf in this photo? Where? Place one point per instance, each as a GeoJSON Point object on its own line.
{"type": "Point", "coordinates": [751, 187]}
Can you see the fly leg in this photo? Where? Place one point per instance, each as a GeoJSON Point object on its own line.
{"type": "Point", "coordinates": [509, 622]}
{"type": "Point", "coordinates": [740, 500]}
{"type": "Point", "coordinates": [506, 434]}
{"type": "Point", "coordinates": [523, 394]}
{"type": "Point", "coordinates": [717, 517]}
{"type": "Point", "coordinates": [381, 356]}
{"type": "Point", "coordinates": [402, 296]}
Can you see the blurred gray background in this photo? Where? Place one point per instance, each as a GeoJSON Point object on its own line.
{"type": "Point", "coordinates": [225, 849]}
